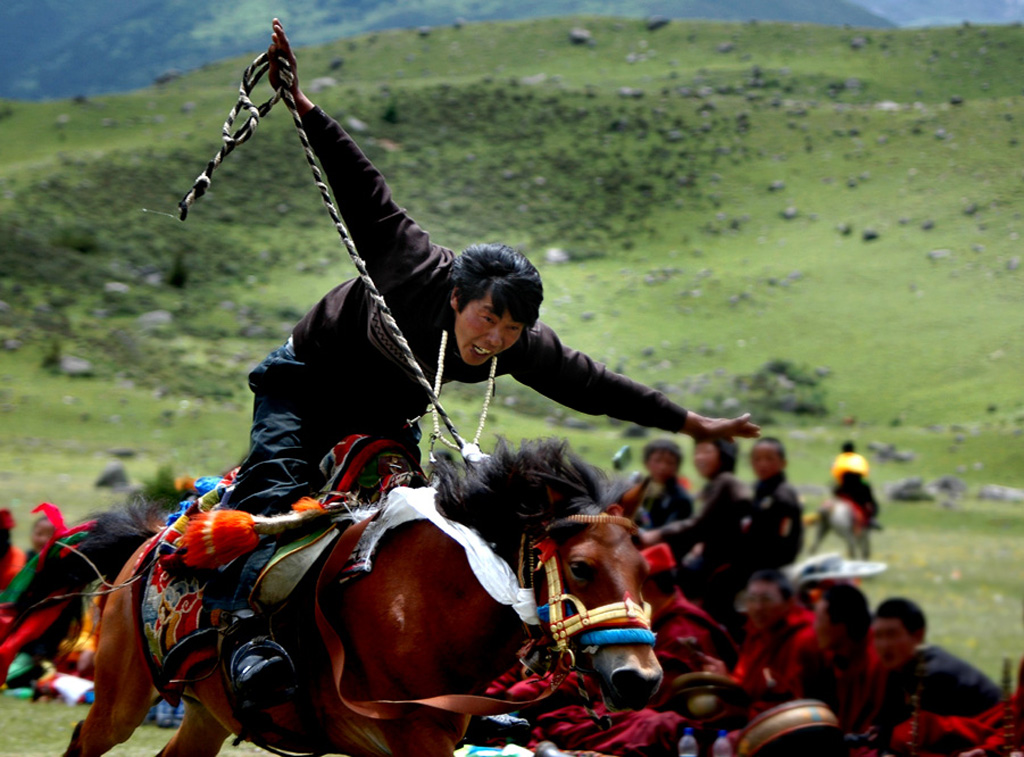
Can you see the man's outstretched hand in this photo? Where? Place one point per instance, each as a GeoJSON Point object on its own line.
{"type": "Point", "coordinates": [705, 429]}
{"type": "Point", "coordinates": [280, 47]}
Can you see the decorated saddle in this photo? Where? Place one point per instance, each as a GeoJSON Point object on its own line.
{"type": "Point", "coordinates": [210, 567]}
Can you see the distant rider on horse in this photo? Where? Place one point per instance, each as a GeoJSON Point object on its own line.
{"type": "Point", "coordinates": [341, 372]}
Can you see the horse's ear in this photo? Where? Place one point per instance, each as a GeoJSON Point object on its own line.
{"type": "Point", "coordinates": [615, 509]}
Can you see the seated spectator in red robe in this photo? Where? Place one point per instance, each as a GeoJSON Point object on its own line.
{"type": "Point", "coordinates": [780, 640]}
{"type": "Point", "coordinates": [846, 674]}
{"type": "Point", "coordinates": [951, 690]}
{"type": "Point", "coordinates": [998, 740]}
{"type": "Point", "coordinates": [12, 559]}
{"type": "Point", "coordinates": [685, 634]}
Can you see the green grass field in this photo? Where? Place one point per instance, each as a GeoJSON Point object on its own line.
{"type": "Point", "coordinates": [685, 272]}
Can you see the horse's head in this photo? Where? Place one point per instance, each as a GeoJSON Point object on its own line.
{"type": "Point", "coordinates": [593, 606]}
{"type": "Point", "coordinates": [549, 513]}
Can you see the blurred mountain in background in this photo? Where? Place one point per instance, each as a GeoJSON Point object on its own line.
{"type": "Point", "coordinates": [67, 48]}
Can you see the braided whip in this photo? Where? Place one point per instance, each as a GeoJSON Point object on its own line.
{"type": "Point", "coordinates": [252, 74]}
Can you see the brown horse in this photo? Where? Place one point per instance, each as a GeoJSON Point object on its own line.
{"type": "Point", "coordinates": [419, 625]}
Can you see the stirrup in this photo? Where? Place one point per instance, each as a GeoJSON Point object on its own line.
{"type": "Point", "coordinates": [262, 674]}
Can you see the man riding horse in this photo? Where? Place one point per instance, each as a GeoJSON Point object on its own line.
{"type": "Point", "coordinates": [342, 371]}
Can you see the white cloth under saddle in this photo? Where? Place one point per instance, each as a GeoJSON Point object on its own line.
{"type": "Point", "coordinates": [405, 505]}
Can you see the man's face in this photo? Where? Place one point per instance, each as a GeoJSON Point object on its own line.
{"type": "Point", "coordinates": [830, 635]}
{"type": "Point", "coordinates": [662, 465]}
{"type": "Point", "coordinates": [41, 533]}
{"type": "Point", "coordinates": [480, 333]}
{"type": "Point", "coordinates": [893, 643]}
{"type": "Point", "coordinates": [706, 459]}
{"type": "Point", "coordinates": [765, 605]}
{"type": "Point", "coordinates": [766, 461]}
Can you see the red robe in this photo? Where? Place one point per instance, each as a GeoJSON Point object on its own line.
{"type": "Point", "coordinates": [853, 688]}
{"type": "Point", "coordinates": [961, 708]}
{"type": "Point", "coordinates": [988, 730]}
{"type": "Point", "coordinates": [10, 565]}
{"type": "Point", "coordinates": [563, 720]}
{"type": "Point", "coordinates": [772, 661]}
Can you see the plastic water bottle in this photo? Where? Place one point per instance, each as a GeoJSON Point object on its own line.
{"type": "Point", "coordinates": [688, 744]}
{"type": "Point", "coordinates": [721, 747]}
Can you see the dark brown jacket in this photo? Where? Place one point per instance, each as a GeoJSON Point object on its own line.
{"type": "Point", "coordinates": [342, 337]}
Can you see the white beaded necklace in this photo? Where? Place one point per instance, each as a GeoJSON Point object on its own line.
{"type": "Point", "coordinates": [437, 435]}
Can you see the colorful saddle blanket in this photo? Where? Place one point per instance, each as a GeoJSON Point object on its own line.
{"type": "Point", "coordinates": [182, 612]}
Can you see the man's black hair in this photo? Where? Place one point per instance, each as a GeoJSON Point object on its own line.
{"type": "Point", "coordinates": [512, 281]}
{"type": "Point", "coordinates": [848, 447]}
{"type": "Point", "coordinates": [772, 576]}
{"type": "Point", "coordinates": [663, 445]}
{"type": "Point", "coordinates": [848, 606]}
{"type": "Point", "coordinates": [727, 453]}
{"type": "Point", "coordinates": [905, 611]}
{"type": "Point", "coordinates": [779, 447]}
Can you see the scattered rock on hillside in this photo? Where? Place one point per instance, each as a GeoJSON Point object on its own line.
{"type": "Point", "coordinates": [777, 186]}
{"type": "Point", "coordinates": [116, 287]}
{"type": "Point", "coordinates": [12, 345]}
{"type": "Point", "coordinates": [940, 254]}
{"type": "Point", "coordinates": [656, 22]}
{"type": "Point", "coordinates": [844, 228]}
{"type": "Point", "coordinates": [1001, 493]}
{"type": "Point", "coordinates": [858, 42]}
{"type": "Point", "coordinates": [556, 255]}
{"type": "Point", "coordinates": [1013, 263]}
{"type": "Point", "coordinates": [320, 83]}
{"type": "Point", "coordinates": [154, 319]}
{"type": "Point", "coordinates": [4, 307]}
{"type": "Point", "coordinates": [114, 476]}
{"type": "Point", "coordinates": [424, 31]}
{"type": "Point", "coordinates": [908, 490]}
{"type": "Point", "coordinates": [633, 431]}
{"type": "Point", "coordinates": [354, 124]}
{"type": "Point", "coordinates": [633, 92]}
{"type": "Point", "coordinates": [580, 36]}
{"type": "Point", "coordinates": [927, 225]}
{"type": "Point", "coordinates": [950, 486]}
{"type": "Point", "coordinates": [869, 235]}
{"type": "Point", "coordinates": [122, 452]}
{"type": "Point", "coordinates": [956, 100]}
{"type": "Point", "coordinates": [75, 366]}
{"type": "Point", "coordinates": [534, 80]}
{"type": "Point", "coordinates": [971, 209]}
{"type": "Point", "coordinates": [888, 452]}
{"type": "Point", "coordinates": [725, 47]}
{"type": "Point", "coordinates": [790, 213]}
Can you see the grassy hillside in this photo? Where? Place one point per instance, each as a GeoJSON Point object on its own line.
{"type": "Point", "coordinates": [714, 214]}
{"type": "Point", "coordinates": [65, 49]}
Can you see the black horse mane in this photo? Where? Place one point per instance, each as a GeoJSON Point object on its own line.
{"type": "Point", "coordinates": [117, 534]}
{"type": "Point", "coordinates": [509, 493]}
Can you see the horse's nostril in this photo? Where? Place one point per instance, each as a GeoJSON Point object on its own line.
{"type": "Point", "coordinates": [633, 688]}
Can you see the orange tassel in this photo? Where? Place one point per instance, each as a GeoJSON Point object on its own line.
{"type": "Point", "coordinates": [218, 537]}
{"type": "Point", "coordinates": [307, 503]}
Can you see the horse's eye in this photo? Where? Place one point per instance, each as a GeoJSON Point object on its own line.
{"type": "Point", "coordinates": [581, 571]}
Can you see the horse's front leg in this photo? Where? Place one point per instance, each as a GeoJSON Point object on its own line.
{"type": "Point", "coordinates": [425, 733]}
{"type": "Point", "coordinates": [124, 690]}
{"type": "Point", "coordinates": [824, 517]}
